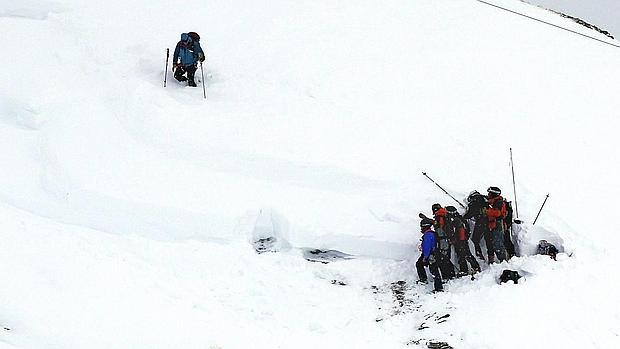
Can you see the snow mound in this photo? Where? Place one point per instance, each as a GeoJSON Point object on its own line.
{"type": "Point", "coordinates": [270, 231]}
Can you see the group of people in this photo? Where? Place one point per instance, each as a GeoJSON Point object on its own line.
{"type": "Point", "coordinates": [491, 217]}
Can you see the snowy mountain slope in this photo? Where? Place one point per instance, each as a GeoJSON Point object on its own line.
{"type": "Point", "coordinates": [326, 113]}
{"type": "Point", "coordinates": [70, 287]}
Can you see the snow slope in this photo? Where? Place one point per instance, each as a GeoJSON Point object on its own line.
{"type": "Point", "coordinates": [127, 208]}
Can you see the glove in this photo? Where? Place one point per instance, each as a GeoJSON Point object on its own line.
{"type": "Point", "coordinates": [201, 57]}
{"type": "Point", "coordinates": [431, 259]}
{"type": "Point", "coordinates": [175, 66]}
{"type": "Point", "coordinates": [425, 261]}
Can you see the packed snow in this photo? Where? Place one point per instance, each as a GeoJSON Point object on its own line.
{"type": "Point", "coordinates": [130, 212]}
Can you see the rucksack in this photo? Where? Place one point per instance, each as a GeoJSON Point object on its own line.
{"type": "Point", "coordinates": [194, 36]}
{"type": "Point", "coordinates": [547, 249]}
{"type": "Point", "coordinates": [454, 224]}
{"type": "Point", "coordinates": [441, 239]}
{"type": "Point", "coordinates": [504, 208]}
{"type": "Point", "coordinates": [509, 275]}
{"type": "Point", "coordinates": [508, 213]}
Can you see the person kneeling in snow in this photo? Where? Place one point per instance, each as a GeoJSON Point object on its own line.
{"type": "Point", "coordinates": [189, 52]}
{"type": "Point", "coordinates": [429, 248]}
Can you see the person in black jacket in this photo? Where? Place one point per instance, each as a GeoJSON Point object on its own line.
{"type": "Point", "coordinates": [459, 233]}
{"type": "Point", "coordinates": [476, 202]}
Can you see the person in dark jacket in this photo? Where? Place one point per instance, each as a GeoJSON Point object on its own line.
{"type": "Point", "coordinates": [427, 258]}
{"type": "Point", "coordinates": [460, 240]}
{"type": "Point", "coordinates": [476, 202]}
{"type": "Point", "coordinates": [187, 54]}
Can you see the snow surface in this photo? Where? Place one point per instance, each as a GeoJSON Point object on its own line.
{"type": "Point", "coordinates": [128, 210]}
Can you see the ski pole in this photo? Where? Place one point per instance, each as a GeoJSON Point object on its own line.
{"type": "Point", "coordinates": [440, 187]}
{"type": "Point", "coordinates": [166, 69]}
{"type": "Point", "coordinates": [541, 208]}
{"type": "Point", "coordinates": [204, 90]}
{"type": "Point", "coordinates": [514, 187]}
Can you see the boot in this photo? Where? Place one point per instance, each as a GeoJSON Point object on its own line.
{"type": "Point", "coordinates": [491, 260]}
{"type": "Point", "coordinates": [191, 83]}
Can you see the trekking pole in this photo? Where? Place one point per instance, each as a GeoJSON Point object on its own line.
{"type": "Point", "coordinates": [514, 187]}
{"type": "Point", "coordinates": [453, 198]}
{"type": "Point", "coordinates": [166, 69]}
{"type": "Point", "coordinates": [204, 90]}
{"type": "Point", "coordinates": [541, 208]}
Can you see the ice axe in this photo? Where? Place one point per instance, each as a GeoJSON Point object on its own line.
{"type": "Point", "coordinates": [440, 187]}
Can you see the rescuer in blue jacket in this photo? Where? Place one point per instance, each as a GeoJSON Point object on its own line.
{"type": "Point", "coordinates": [189, 52]}
{"type": "Point", "coordinates": [427, 258]}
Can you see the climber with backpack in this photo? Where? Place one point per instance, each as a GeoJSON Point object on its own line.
{"type": "Point", "coordinates": [459, 231]}
{"type": "Point", "coordinates": [476, 202]}
{"type": "Point", "coordinates": [495, 213]}
{"type": "Point", "coordinates": [187, 54]}
{"type": "Point", "coordinates": [443, 241]}
{"type": "Point", "coordinates": [428, 256]}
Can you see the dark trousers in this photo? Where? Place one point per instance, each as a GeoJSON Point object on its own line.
{"type": "Point", "coordinates": [434, 268]}
{"type": "Point", "coordinates": [482, 231]}
{"type": "Point", "coordinates": [445, 264]}
{"type": "Point", "coordinates": [510, 247]}
{"type": "Point", "coordinates": [464, 255]}
{"type": "Point", "coordinates": [182, 69]}
{"type": "Point", "coordinates": [498, 242]}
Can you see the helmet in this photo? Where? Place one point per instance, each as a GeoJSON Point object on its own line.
{"type": "Point", "coordinates": [426, 223]}
{"type": "Point", "coordinates": [452, 210]}
{"type": "Point", "coordinates": [435, 207]}
{"type": "Point", "coordinates": [472, 196]}
{"type": "Point", "coordinates": [494, 191]}
{"type": "Point", "coordinates": [194, 36]}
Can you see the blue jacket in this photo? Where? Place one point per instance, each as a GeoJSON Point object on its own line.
{"type": "Point", "coordinates": [188, 50]}
{"type": "Point", "coordinates": [429, 243]}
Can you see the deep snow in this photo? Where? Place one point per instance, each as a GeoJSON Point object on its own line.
{"type": "Point", "coordinates": [128, 209]}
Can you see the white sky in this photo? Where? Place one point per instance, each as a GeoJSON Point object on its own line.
{"type": "Point", "coordinates": [605, 14]}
